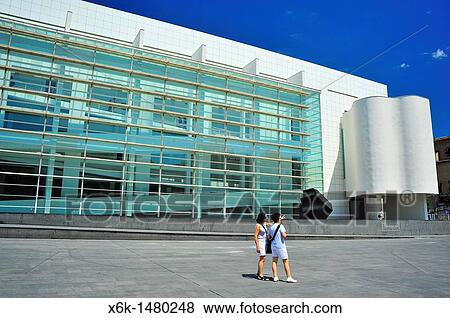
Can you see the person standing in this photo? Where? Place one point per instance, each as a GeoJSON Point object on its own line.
{"type": "Point", "coordinates": [260, 237]}
{"type": "Point", "coordinates": [278, 234]}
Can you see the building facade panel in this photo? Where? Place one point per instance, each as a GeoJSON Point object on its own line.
{"type": "Point", "coordinates": [442, 153]}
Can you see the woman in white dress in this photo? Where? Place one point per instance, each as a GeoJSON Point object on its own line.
{"type": "Point", "coordinates": [278, 234]}
{"type": "Point", "coordinates": [260, 241]}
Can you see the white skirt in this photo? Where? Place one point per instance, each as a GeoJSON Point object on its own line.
{"type": "Point", "coordinates": [262, 246]}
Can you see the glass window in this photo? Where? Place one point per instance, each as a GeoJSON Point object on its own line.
{"type": "Point", "coordinates": [212, 144]}
{"type": "Point", "coordinates": [177, 106]}
{"type": "Point", "coordinates": [30, 82]}
{"type": "Point", "coordinates": [110, 76]}
{"type": "Point", "coordinates": [311, 100]}
{"type": "Point", "coordinates": [238, 100]}
{"type": "Point", "coordinates": [296, 127]}
{"type": "Point", "coordinates": [263, 180]}
{"type": "Point", "coordinates": [3, 56]}
{"type": "Point", "coordinates": [4, 38]}
{"type": "Point", "coordinates": [180, 89]}
{"type": "Point", "coordinates": [109, 95]}
{"type": "Point", "coordinates": [29, 101]}
{"type": "Point", "coordinates": [266, 121]}
{"type": "Point", "coordinates": [217, 162]}
{"type": "Point", "coordinates": [249, 118]}
{"type": "Point", "coordinates": [291, 111]}
{"type": "Point", "coordinates": [239, 147]}
{"type": "Point", "coordinates": [32, 44]}
{"type": "Point", "coordinates": [181, 176]}
{"type": "Point", "coordinates": [289, 153]}
{"type": "Point", "coordinates": [72, 70]}
{"type": "Point", "coordinates": [148, 83]}
{"type": "Point", "coordinates": [175, 122]}
{"type": "Point", "coordinates": [146, 136]}
{"type": "Point", "coordinates": [234, 163]}
{"type": "Point", "coordinates": [182, 74]}
{"type": "Point", "coordinates": [240, 86]}
{"type": "Point", "coordinates": [107, 112]}
{"type": "Point", "coordinates": [267, 107]}
{"type": "Point", "coordinates": [290, 97]}
{"type": "Point", "coordinates": [235, 181]}
{"type": "Point", "coordinates": [211, 95]}
{"type": "Point", "coordinates": [62, 87]}
{"type": "Point", "coordinates": [148, 67]}
{"type": "Point", "coordinates": [266, 92]}
{"type": "Point", "coordinates": [216, 129]}
{"type": "Point", "coordinates": [21, 121]}
{"type": "Point", "coordinates": [218, 113]}
{"type": "Point", "coordinates": [233, 130]}
{"type": "Point", "coordinates": [97, 185]}
{"type": "Point", "coordinates": [157, 120]}
{"type": "Point", "coordinates": [73, 52]}
{"type": "Point", "coordinates": [266, 151]}
{"type": "Point", "coordinates": [29, 61]}
{"type": "Point", "coordinates": [212, 80]}
{"type": "Point", "coordinates": [15, 186]}
{"type": "Point", "coordinates": [266, 135]}
{"type": "Point", "coordinates": [147, 101]}
{"type": "Point", "coordinates": [234, 115]}
{"type": "Point", "coordinates": [176, 158]}
{"type": "Point", "coordinates": [96, 127]}
{"type": "Point", "coordinates": [217, 179]}
{"type": "Point", "coordinates": [112, 60]}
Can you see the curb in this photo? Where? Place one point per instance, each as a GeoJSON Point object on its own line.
{"type": "Point", "coordinates": [76, 232]}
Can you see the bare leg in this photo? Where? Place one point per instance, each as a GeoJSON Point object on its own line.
{"type": "Point", "coordinates": [287, 268]}
{"type": "Point", "coordinates": [262, 260]}
{"type": "Point", "coordinates": [274, 267]}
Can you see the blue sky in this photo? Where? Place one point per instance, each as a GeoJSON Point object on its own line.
{"type": "Point", "coordinates": [339, 34]}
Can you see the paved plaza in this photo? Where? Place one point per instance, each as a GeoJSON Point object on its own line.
{"type": "Point", "coordinates": [415, 267]}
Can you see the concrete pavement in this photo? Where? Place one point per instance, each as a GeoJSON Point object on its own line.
{"type": "Point", "coordinates": [413, 267]}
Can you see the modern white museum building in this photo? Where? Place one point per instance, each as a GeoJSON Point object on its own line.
{"type": "Point", "coordinates": [103, 105]}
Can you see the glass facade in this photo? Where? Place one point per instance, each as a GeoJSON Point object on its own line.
{"type": "Point", "coordinates": [91, 127]}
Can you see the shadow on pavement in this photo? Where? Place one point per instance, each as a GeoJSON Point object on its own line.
{"type": "Point", "coordinates": [254, 276]}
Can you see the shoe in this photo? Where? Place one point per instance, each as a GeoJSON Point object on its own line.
{"type": "Point", "coordinates": [275, 279]}
{"type": "Point", "coordinates": [291, 280]}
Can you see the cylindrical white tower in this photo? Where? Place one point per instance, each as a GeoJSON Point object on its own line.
{"type": "Point", "coordinates": [388, 147]}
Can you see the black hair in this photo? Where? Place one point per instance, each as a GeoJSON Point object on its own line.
{"type": "Point", "coordinates": [261, 217]}
{"type": "Point", "coordinates": [276, 217]}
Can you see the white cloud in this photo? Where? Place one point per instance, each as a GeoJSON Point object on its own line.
{"type": "Point", "coordinates": [295, 36]}
{"type": "Point", "coordinates": [439, 54]}
{"type": "Point", "coordinates": [404, 65]}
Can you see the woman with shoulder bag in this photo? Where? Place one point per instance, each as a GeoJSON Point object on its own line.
{"type": "Point", "coordinates": [260, 237]}
{"type": "Point", "coordinates": [277, 233]}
